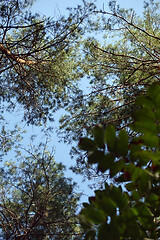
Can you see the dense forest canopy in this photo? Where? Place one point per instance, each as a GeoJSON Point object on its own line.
{"type": "Point", "coordinates": [38, 55]}
{"type": "Point", "coordinates": [119, 67]}
{"type": "Point", "coordinates": [38, 74]}
{"type": "Point", "coordinates": [43, 61]}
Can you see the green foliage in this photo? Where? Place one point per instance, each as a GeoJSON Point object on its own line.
{"type": "Point", "coordinates": [41, 62]}
{"type": "Point", "coordinates": [36, 200]}
{"type": "Point", "coordinates": [120, 62]}
{"type": "Point", "coordinates": [38, 74]}
{"type": "Point", "coordinates": [131, 211]}
{"type": "Point", "coordinates": [38, 54]}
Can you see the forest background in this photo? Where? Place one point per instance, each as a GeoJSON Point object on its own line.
{"type": "Point", "coordinates": [48, 65]}
{"type": "Point", "coordinates": [56, 9]}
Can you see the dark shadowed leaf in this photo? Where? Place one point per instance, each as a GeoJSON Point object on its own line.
{"type": "Point", "coordinates": [110, 138]}
{"type": "Point", "coordinates": [87, 144]}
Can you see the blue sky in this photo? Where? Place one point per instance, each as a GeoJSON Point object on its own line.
{"type": "Point", "coordinates": [56, 8]}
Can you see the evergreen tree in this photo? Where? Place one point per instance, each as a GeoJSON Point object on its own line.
{"type": "Point", "coordinates": [36, 200]}
{"type": "Point", "coordinates": [38, 67]}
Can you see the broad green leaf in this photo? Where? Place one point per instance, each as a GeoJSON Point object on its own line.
{"type": "Point", "coordinates": [142, 114]}
{"type": "Point", "coordinates": [145, 182]}
{"type": "Point", "coordinates": [143, 156]}
{"type": "Point", "coordinates": [104, 232]}
{"type": "Point", "coordinates": [147, 127]}
{"type": "Point", "coordinates": [154, 93]}
{"type": "Point", "coordinates": [117, 167]}
{"type": "Point", "coordinates": [153, 200]}
{"type": "Point", "coordinates": [110, 138]}
{"type": "Point", "coordinates": [119, 197]}
{"type": "Point", "coordinates": [108, 205]}
{"type": "Point", "coordinates": [146, 102]}
{"type": "Point", "coordinates": [137, 173]}
{"type": "Point", "coordinates": [135, 195]}
{"type": "Point", "coordinates": [135, 147]}
{"type": "Point", "coordinates": [87, 144]}
{"type": "Point", "coordinates": [96, 157]}
{"type": "Point", "coordinates": [150, 140]}
{"type": "Point", "coordinates": [157, 114]}
{"type": "Point", "coordinates": [122, 143]}
{"type": "Point", "coordinates": [93, 215]}
{"type": "Point", "coordinates": [155, 156]}
{"type": "Point", "coordinates": [108, 231]}
{"type": "Point", "coordinates": [144, 215]}
{"type": "Point", "coordinates": [99, 136]}
{"type": "Point", "coordinates": [107, 162]}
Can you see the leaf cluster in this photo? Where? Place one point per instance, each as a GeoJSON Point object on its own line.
{"type": "Point", "coordinates": [129, 211]}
